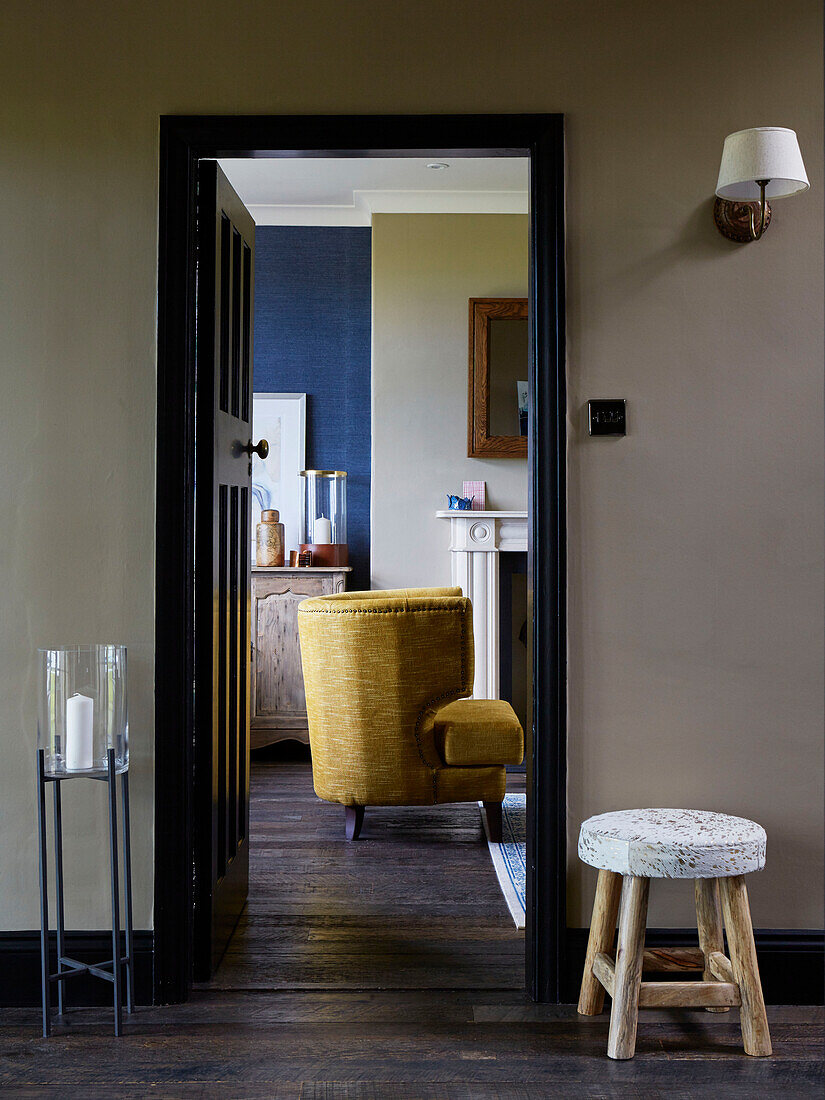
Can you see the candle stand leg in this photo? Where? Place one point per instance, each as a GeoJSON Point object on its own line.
{"type": "Point", "coordinates": [58, 873]}
{"type": "Point", "coordinates": [116, 962]}
{"type": "Point", "coordinates": [127, 875]}
{"type": "Point", "coordinates": [44, 895]}
{"type": "Point", "coordinates": [65, 965]}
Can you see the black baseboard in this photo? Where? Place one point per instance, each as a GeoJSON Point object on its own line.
{"type": "Point", "coordinates": [791, 960]}
{"type": "Point", "coordinates": [20, 968]}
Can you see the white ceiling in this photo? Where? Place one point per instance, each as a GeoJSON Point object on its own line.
{"type": "Point", "coordinates": [349, 190]}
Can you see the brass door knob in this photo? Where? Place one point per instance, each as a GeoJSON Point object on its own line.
{"type": "Point", "coordinates": [260, 449]}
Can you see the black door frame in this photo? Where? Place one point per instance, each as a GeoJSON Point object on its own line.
{"type": "Point", "coordinates": [183, 141]}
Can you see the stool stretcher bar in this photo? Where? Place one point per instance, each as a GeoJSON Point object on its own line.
{"type": "Point", "coordinates": [671, 994]}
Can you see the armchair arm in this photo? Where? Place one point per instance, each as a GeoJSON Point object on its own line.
{"type": "Point", "coordinates": [478, 732]}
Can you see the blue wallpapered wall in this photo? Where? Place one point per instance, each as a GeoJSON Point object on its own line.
{"type": "Point", "coordinates": [312, 336]}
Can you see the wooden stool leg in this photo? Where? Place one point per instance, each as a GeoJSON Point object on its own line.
{"type": "Point", "coordinates": [602, 933]}
{"type": "Point", "coordinates": [709, 924]}
{"type": "Point", "coordinates": [755, 1034]}
{"type": "Point", "coordinates": [630, 951]}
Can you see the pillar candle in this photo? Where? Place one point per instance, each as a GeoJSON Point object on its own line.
{"type": "Point", "coordinates": [78, 754]}
{"type": "Point", "coordinates": [322, 533]}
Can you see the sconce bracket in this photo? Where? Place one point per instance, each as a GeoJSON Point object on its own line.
{"type": "Point", "coordinates": [733, 219]}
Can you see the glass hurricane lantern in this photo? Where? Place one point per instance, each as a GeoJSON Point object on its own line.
{"type": "Point", "coordinates": [325, 516]}
{"type": "Point", "coordinates": [82, 709]}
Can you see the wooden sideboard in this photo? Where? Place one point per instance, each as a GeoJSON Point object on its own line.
{"type": "Point", "coordinates": [277, 684]}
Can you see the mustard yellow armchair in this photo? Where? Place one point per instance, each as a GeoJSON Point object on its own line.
{"type": "Point", "coordinates": [385, 675]}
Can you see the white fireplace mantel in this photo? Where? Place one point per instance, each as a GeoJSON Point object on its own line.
{"type": "Point", "coordinates": [476, 540]}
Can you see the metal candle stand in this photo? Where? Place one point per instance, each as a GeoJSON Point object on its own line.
{"type": "Point", "coordinates": [112, 969]}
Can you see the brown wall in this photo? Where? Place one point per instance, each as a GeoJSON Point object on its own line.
{"type": "Point", "coordinates": [696, 543]}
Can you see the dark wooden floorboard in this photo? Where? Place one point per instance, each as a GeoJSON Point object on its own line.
{"type": "Point", "coordinates": [413, 904]}
{"type": "Point", "coordinates": [388, 969]}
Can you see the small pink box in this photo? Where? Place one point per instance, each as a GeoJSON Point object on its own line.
{"type": "Point", "coordinates": [478, 491]}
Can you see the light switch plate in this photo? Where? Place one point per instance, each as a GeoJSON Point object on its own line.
{"type": "Point", "coordinates": [607, 417]}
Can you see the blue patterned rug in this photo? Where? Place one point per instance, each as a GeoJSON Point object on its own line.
{"type": "Point", "coordinates": [509, 857]}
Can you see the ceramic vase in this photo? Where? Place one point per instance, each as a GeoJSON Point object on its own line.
{"type": "Point", "coordinates": [269, 539]}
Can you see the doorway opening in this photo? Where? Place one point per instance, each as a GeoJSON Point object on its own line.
{"type": "Point", "coordinates": [185, 142]}
{"type": "Point", "coordinates": [364, 271]}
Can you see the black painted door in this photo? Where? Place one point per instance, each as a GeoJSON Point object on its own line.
{"type": "Point", "coordinates": [225, 267]}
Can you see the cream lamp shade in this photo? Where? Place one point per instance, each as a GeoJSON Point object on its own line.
{"type": "Point", "coordinates": [762, 153]}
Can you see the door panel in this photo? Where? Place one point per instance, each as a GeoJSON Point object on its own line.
{"type": "Point", "coordinates": [225, 257]}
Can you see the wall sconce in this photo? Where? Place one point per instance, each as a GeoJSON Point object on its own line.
{"type": "Point", "coordinates": [757, 165]}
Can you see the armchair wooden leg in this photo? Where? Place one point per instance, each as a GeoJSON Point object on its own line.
{"type": "Point", "coordinates": [602, 934]}
{"type": "Point", "coordinates": [493, 813]}
{"type": "Point", "coordinates": [624, 1013]}
{"type": "Point", "coordinates": [709, 923]}
{"type": "Point", "coordinates": [354, 819]}
{"type": "Point", "coordinates": [755, 1034]}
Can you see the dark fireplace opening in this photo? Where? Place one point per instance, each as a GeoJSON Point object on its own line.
{"type": "Point", "coordinates": [514, 664]}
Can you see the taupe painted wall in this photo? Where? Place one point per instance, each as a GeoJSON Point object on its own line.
{"type": "Point", "coordinates": [425, 268]}
{"type": "Point", "coordinates": [696, 543]}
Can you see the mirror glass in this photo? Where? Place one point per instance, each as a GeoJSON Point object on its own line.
{"type": "Point", "coordinates": [508, 375]}
{"type": "Point", "coordinates": [499, 365]}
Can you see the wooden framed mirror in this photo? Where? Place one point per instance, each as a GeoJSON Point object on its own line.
{"type": "Point", "coordinates": [497, 398]}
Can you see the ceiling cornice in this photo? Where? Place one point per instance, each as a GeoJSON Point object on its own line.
{"type": "Point", "coordinates": [367, 203]}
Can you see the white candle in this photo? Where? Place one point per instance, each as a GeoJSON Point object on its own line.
{"type": "Point", "coordinates": [322, 531]}
{"type": "Point", "coordinates": [79, 721]}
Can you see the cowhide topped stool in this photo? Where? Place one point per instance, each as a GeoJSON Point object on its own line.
{"type": "Point", "coordinates": [630, 847]}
